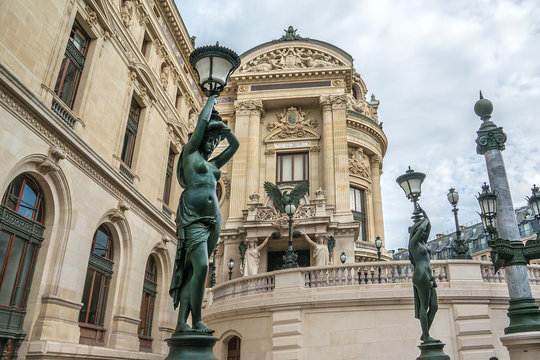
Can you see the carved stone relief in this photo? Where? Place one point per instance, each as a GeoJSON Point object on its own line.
{"type": "Point", "coordinates": [50, 163]}
{"type": "Point", "coordinates": [292, 123]}
{"type": "Point", "coordinates": [126, 11]}
{"type": "Point", "coordinates": [359, 164]}
{"type": "Point", "coordinates": [290, 58]}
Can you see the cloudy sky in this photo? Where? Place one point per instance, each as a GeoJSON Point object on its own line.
{"type": "Point", "coordinates": [425, 61]}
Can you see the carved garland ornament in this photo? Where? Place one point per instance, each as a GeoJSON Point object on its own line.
{"type": "Point", "coordinates": [290, 58]}
{"type": "Point", "coordinates": [291, 123]}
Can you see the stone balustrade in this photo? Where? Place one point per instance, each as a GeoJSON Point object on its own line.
{"type": "Point", "coordinates": [339, 311]}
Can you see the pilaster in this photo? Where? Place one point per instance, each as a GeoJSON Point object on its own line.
{"type": "Point", "coordinates": [328, 149]}
{"type": "Point", "coordinates": [239, 164]}
{"type": "Point", "coordinates": [341, 162]}
{"type": "Point", "coordinates": [256, 111]}
{"type": "Point", "coordinates": [376, 195]}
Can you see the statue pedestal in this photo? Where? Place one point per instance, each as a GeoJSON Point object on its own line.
{"type": "Point", "coordinates": [523, 346]}
{"type": "Point", "coordinates": [191, 346]}
{"type": "Point", "coordinates": [432, 351]}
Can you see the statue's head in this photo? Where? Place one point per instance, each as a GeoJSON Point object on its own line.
{"type": "Point", "coordinates": [252, 244]}
{"type": "Point", "coordinates": [213, 134]}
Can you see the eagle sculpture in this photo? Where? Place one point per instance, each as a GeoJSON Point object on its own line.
{"type": "Point", "coordinates": [280, 199]}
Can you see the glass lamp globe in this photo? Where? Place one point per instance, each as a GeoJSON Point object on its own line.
{"type": "Point", "coordinates": [214, 64]}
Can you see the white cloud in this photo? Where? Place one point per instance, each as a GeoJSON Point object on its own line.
{"type": "Point", "coordinates": [425, 61]}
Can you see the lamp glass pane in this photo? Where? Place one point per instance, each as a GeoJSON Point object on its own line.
{"type": "Point", "coordinates": [453, 197]}
{"type": "Point", "coordinates": [415, 186]}
{"type": "Point", "coordinates": [290, 209]}
{"type": "Point", "coordinates": [203, 68]}
{"type": "Point", "coordinates": [535, 206]}
{"type": "Point", "coordinates": [484, 222]}
{"type": "Point", "coordinates": [378, 243]}
{"type": "Point", "coordinates": [220, 70]}
{"type": "Point", "coordinates": [405, 186]}
{"type": "Point", "coordinates": [492, 205]}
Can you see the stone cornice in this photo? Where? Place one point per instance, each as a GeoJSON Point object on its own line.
{"type": "Point", "coordinates": [371, 129]}
{"type": "Point", "coordinates": [28, 108]}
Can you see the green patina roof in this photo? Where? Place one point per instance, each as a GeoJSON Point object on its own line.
{"type": "Point", "coordinates": [290, 35]}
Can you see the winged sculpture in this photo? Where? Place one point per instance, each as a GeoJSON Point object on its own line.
{"type": "Point", "coordinates": [280, 199]}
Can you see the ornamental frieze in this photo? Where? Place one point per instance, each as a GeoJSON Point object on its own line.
{"type": "Point", "coordinates": [290, 58]}
{"type": "Point", "coordinates": [292, 123]}
{"type": "Point", "coordinates": [249, 106]}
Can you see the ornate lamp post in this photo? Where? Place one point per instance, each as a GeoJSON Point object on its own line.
{"type": "Point", "coordinates": [343, 257]}
{"type": "Point", "coordinates": [230, 265]}
{"type": "Point", "coordinates": [534, 202]}
{"type": "Point", "coordinates": [290, 259]}
{"type": "Point", "coordinates": [459, 249]}
{"type": "Point", "coordinates": [508, 250]}
{"type": "Point", "coordinates": [378, 245]}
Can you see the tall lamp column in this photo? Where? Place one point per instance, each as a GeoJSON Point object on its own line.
{"type": "Point", "coordinates": [507, 248]}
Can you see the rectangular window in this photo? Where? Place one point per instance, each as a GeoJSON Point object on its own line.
{"type": "Point", "coordinates": [131, 133]}
{"type": "Point", "coordinates": [72, 66]}
{"type": "Point", "coordinates": [292, 168]}
{"type": "Point", "coordinates": [358, 207]}
{"type": "Point", "coordinates": [168, 177]}
{"type": "Point", "coordinates": [144, 47]}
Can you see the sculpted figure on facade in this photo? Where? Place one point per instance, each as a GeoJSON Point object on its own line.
{"type": "Point", "coordinates": [290, 58]}
{"type": "Point", "coordinates": [321, 255]}
{"type": "Point", "coordinates": [198, 220]}
{"type": "Point", "coordinates": [253, 256]}
{"type": "Point", "coordinates": [357, 163]}
{"type": "Point", "coordinates": [126, 11]}
{"type": "Point", "coordinates": [292, 122]}
{"type": "Point", "coordinates": [425, 295]}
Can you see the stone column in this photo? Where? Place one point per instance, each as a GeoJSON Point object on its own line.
{"type": "Point", "coordinates": [253, 147]}
{"type": "Point", "coordinates": [341, 157]}
{"type": "Point", "coordinates": [239, 164]}
{"type": "Point", "coordinates": [375, 161]}
{"type": "Point", "coordinates": [328, 149]}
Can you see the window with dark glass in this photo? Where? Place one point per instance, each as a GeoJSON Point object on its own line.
{"type": "Point", "coordinates": [358, 207]}
{"type": "Point", "coordinates": [147, 305]}
{"type": "Point", "coordinates": [131, 133]}
{"type": "Point", "coordinates": [233, 348]}
{"type": "Point", "coordinates": [21, 235]}
{"type": "Point", "coordinates": [96, 288]}
{"type": "Point", "coordinates": [72, 65]}
{"type": "Point", "coordinates": [292, 168]}
{"type": "Point", "coordinates": [168, 177]}
{"type": "Point", "coordinates": [145, 44]}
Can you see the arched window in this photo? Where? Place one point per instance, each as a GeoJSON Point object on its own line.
{"type": "Point", "coordinates": [147, 305]}
{"type": "Point", "coordinates": [96, 288]}
{"type": "Point", "coordinates": [21, 235]}
{"type": "Point", "coordinates": [233, 348]}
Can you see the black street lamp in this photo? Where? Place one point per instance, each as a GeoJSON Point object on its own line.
{"type": "Point", "coordinates": [534, 202]}
{"type": "Point", "coordinates": [459, 249]}
{"type": "Point", "coordinates": [290, 259]}
{"type": "Point", "coordinates": [378, 245]}
{"type": "Point", "coordinates": [411, 183]}
{"type": "Point", "coordinates": [230, 265]}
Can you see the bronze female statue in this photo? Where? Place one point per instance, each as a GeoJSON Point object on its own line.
{"type": "Point", "coordinates": [198, 220]}
{"type": "Point", "coordinates": [425, 295]}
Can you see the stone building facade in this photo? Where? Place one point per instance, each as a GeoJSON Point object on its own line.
{"type": "Point", "coordinates": [302, 112]}
{"type": "Point", "coordinates": [96, 102]}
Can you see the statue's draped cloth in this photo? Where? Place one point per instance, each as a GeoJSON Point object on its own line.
{"type": "Point", "coordinates": [192, 230]}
